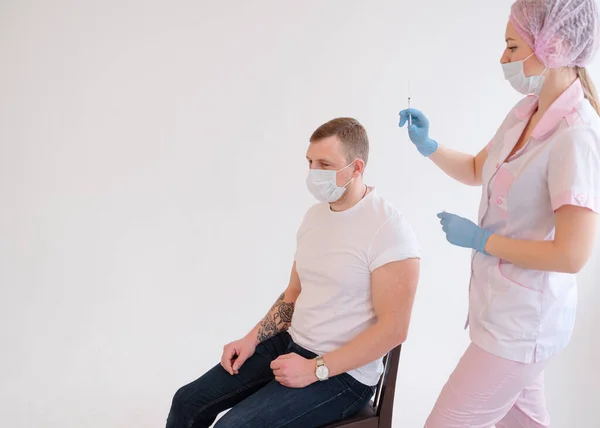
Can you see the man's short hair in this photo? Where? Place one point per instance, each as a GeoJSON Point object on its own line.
{"type": "Point", "coordinates": [350, 132]}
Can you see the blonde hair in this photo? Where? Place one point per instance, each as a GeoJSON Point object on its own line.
{"type": "Point", "coordinates": [589, 89]}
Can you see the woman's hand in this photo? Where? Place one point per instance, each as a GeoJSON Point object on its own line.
{"type": "Point", "coordinates": [418, 131]}
{"type": "Point", "coordinates": [464, 233]}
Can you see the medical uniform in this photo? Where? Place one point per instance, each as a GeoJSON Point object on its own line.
{"type": "Point", "coordinates": [518, 317]}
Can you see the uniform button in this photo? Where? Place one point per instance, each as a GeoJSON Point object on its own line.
{"type": "Point", "coordinates": [499, 200]}
{"type": "Point", "coordinates": [580, 197]}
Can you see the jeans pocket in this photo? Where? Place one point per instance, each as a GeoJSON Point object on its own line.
{"type": "Point", "coordinates": [297, 349]}
{"type": "Point", "coordinates": [363, 396]}
{"type": "Point", "coordinates": [354, 386]}
{"type": "Point", "coordinates": [347, 380]}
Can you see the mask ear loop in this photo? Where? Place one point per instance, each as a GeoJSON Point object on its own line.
{"type": "Point", "coordinates": [532, 53]}
{"type": "Point", "coordinates": [349, 181]}
{"type": "Point", "coordinates": [545, 66]}
{"type": "Point", "coordinates": [340, 170]}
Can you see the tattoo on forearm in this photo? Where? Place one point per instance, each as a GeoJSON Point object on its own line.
{"type": "Point", "coordinates": [277, 320]}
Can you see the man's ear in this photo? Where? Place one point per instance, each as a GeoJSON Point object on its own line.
{"type": "Point", "coordinates": [359, 167]}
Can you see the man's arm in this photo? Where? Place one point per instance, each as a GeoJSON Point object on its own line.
{"type": "Point", "coordinates": [394, 287]}
{"type": "Point", "coordinates": [279, 317]}
{"type": "Point", "coordinates": [277, 320]}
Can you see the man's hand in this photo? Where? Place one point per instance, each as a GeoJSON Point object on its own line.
{"type": "Point", "coordinates": [294, 371]}
{"type": "Point", "coordinates": [236, 353]}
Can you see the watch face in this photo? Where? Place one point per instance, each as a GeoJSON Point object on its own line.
{"type": "Point", "coordinates": [322, 372]}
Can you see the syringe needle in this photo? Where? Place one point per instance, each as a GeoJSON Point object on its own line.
{"type": "Point", "coordinates": [409, 115]}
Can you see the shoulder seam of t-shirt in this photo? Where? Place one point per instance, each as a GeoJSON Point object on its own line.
{"type": "Point", "coordinates": [396, 214]}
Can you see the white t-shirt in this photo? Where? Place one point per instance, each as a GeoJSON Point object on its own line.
{"type": "Point", "coordinates": [335, 256]}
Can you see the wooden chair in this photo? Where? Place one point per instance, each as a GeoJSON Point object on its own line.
{"type": "Point", "coordinates": [378, 414]}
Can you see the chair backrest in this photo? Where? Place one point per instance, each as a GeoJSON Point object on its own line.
{"type": "Point", "coordinates": [386, 389]}
{"type": "Point", "coordinates": [379, 413]}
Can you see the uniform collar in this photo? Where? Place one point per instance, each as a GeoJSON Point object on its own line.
{"type": "Point", "coordinates": [560, 108]}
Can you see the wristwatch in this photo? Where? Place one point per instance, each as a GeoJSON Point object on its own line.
{"type": "Point", "coordinates": [322, 371]}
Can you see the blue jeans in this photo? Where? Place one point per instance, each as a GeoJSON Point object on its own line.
{"type": "Point", "coordinates": [259, 401]}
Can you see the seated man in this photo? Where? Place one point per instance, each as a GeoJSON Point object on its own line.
{"type": "Point", "coordinates": [316, 357]}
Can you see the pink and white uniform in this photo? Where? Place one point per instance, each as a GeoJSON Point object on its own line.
{"type": "Point", "coordinates": [518, 317]}
{"type": "Point", "coordinates": [521, 314]}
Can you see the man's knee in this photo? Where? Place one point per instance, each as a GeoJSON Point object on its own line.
{"type": "Point", "coordinates": [224, 424]}
{"type": "Point", "coordinates": [178, 414]}
{"type": "Point", "coordinates": [236, 419]}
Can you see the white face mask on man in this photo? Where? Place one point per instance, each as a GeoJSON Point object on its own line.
{"type": "Point", "coordinates": [322, 184]}
{"type": "Point", "coordinates": [514, 73]}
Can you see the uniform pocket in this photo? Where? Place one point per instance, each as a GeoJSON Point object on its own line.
{"type": "Point", "coordinates": [528, 278]}
{"type": "Point", "coordinates": [515, 300]}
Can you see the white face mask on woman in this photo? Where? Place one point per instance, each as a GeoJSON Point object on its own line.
{"type": "Point", "coordinates": [322, 184]}
{"type": "Point", "coordinates": [514, 73]}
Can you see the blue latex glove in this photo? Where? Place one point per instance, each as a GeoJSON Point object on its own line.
{"type": "Point", "coordinates": [464, 233]}
{"type": "Point", "coordinates": [418, 131]}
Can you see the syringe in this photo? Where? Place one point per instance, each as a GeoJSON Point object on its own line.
{"type": "Point", "coordinates": [409, 115]}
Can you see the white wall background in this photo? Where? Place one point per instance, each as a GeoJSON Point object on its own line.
{"type": "Point", "coordinates": [152, 179]}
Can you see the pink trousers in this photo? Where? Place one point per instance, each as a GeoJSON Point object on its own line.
{"type": "Point", "coordinates": [486, 391]}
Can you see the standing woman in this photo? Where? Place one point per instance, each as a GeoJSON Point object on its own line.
{"type": "Point", "coordinates": [537, 217]}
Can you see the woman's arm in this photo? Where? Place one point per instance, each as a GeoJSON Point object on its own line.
{"type": "Point", "coordinates": [568, 252]}
{"type": "Point", "coordinates": [462, 167]}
